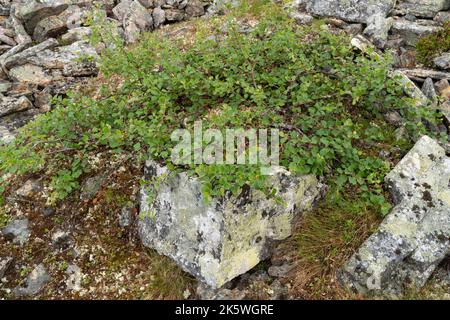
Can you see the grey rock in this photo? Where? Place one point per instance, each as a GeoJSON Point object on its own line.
{"type": "Point", "coordinates": [412, 31]}
{"type": "Point", "coordinates": [442, 17]}
{"type": "Point", "coordinates": [20, 34]}
{"type": "Point", "coordinates": [421, 8]}
{"type": "Point", "coordinates": [443, 88]}
{"type": "Point", "coordinates": [29, 188]}
{"type": "Point", "coordinates": [55, 26]}
{"type": "Point", "coordinates": [30, 74]}
{"type": "Point", "coordinates": [91, 186]}
{"type": "Point", "coordinates": [425, 73]}
{"type": "Point", "coordinates": [17, 231]}
{"type": "Point", "coordinates": [34, 283]}
{"type": "Point", "coordinates": [76, 34]}
{"type": "Point", "coordinates": [23, 56]}
{"type": "Point", "coordinates": [75, 276]}
{"type": "Point", "coordinates": [10, 123]}
{"type": "Point", "coordinates": [353, 29]}
{"type": "Point", "coordinates": [415, 237]}
{"type": "Point", "coordinates": [5, 263]}
{"type": "Point", "coordinates": [159, 16]}
{"type": "Point", "coordinates": [350, 10]}
{"type": "Point", "coordinates": [66, 57]}
{"type": "Point", "coordinates": [9, 105]}
{"type": "Point", "coordinates": [126, 216]}
{"type": "Point", "coordinates": [443, 61]}
{"type": "Point", "coordinates": [393, 118]}
{"type": "Point", "coordinates": [174, 15]}
{"type": "Point", "coordinates": [219, 240]}
{"type": "Point", "coordinates": [278, 290]}
{"type": "Point", "coordinates": [280, 271]}
{"type": "Point", "coordinates": [80, 69]}
{"type": "Point", "coordinates": [428, 90]}
{"type": "Point", "coordinates": [147, 3]}
{"type": "Point", "coordinates": [194, 8]}
{"type": "Point", "coordinates": [61, 239]}
{"type": "Point", "coordinates": [135, 19]}
{"type": "Point", "coordinates": [410, 88]}
{"type": "Point", "coordinates": [5, 39]}
{"type": "Point", "coordinates": [301, 18]}
{"type": "Point", "coordinates": [33, 11]}
{"type": "Point", "coordinates": [378, 29]}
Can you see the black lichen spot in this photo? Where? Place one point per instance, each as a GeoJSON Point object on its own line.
{"type": "Point", "coordinates": [426, 186]}
{"type": "Point", "coordinates": [426, 195]}
{"type": "Point", "coordinates": [416, 208]}
{"type": "Point", "coordinates": [432, 157]}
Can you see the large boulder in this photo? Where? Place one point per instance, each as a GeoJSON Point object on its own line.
{"type": "Point", "coordinates": [412, 31]}
{"type": "Point", "coordinates": [350, 10]}
{"type": "Point", "coordinates": [135, 19]}
{"type": "Point", "coordinates": [422, 8]}
{"type": "Point", "coordinates": [9, 105]}
{"type": "Point", "coordinates": [219, 240]}
{"type": "Point", "coordinates": [415, 237]}
{"type": "Point", "coordinates": [33, 11]}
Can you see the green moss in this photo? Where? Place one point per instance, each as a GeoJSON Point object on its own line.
{"type": "Point", "coordinates": [431, 46]}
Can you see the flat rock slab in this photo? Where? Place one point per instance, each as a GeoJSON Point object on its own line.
{"type": "Point", "coordinates": [222, 239]}
{"type": "Point", "coordinates": [350, 10]}
{"type": "Point", "coordinates": [415, 237]}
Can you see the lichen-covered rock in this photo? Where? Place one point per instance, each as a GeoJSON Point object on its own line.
{"type": "Point", "coordinates": [226, 237]}
{"type": "Point", "coordinates": [411, 31]}
{"type": "Point", "coordinates": [421, 8]}
{"type": "Point", "coordinates": [350, 10]}
{"type": "Point", "coordinates": [17, 231]}
{"type": "Point", "coordinates": [34, 283]}
{"type": "Point", "coordinates": [415, 237]}
{"type": "Point", "coordinates": [5, 263]}
{"type": "Point", "coordinates": [33, 11]}
{"type": "Point", "coordinates": [135, 19]}
{"type": "Point", "coordinates": [30, 74]}
{"type": "Point", "coordinates": [9, 105]}
{"type": "Point", "coordinates": [378, 29]}
{"type": "Point", "coordinates": [23, 56]}
{"type": "Point", "coordinates": [443, 61]}
{"type": "Point", "coordinates": [428, 90]}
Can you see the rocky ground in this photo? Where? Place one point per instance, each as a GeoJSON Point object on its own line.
{"type": "Point", "coordinates": [91, 248]}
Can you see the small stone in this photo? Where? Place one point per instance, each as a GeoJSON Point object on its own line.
{"type": "Point", "coordinates": [443, 88]}
{"type": "Point", "coordinates": [5, 263]}
{"type": "Point", "coordinates": [17, 231]}
{"type": "Point", "coordinates": [91, 186]}
{"type": "Point", "coordinates": [34, 283]}
{"type": "Point", "coordinates": [159, 16]}
{"type": "Point", "coordinates": [301, 18]}
{"type": "Point", "coordinates": [443, 62]}
{"type": "Point", "coordinates": [353, 29]}
{"type": "Point", "coordinates": [30, 188]}
{"type": "Point", "coordinates": [60, 240]}
{"type": "Point", "coordinates": [277, 290]}
{"type": "Point", "coordinates": [73, 282]}
{"type": "Point", "coordinates": [280, 271]}
{"type": "Point", "coordinates": [393, 118]}
{"type": "Point", "coordinates": [126, 217]}
{"type": "Point", "coordinates": [428, 90]}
